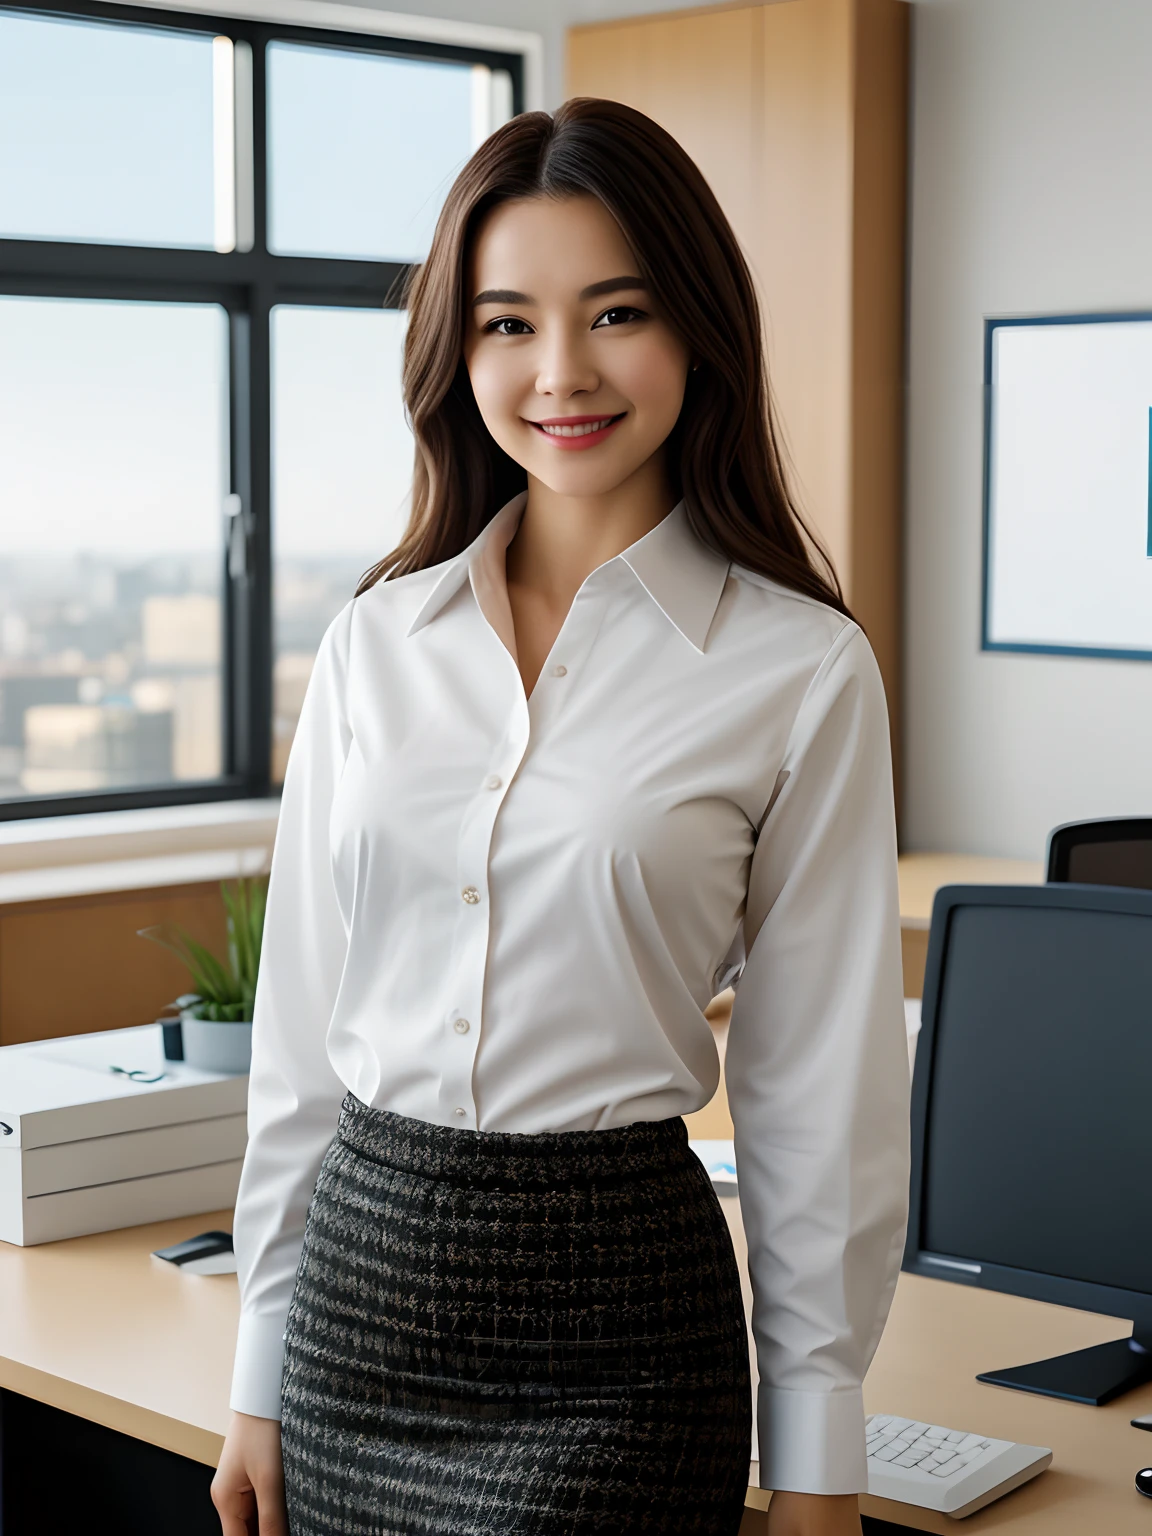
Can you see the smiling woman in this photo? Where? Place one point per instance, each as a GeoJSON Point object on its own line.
{"type": "Point", "coordinates": [603, 742]}
{"type": "Point", "coordinates": [566, 365]}
{"type": "Point", "coordinates": [660, 222]}
{"type": "Point", "coordinates": [582, 390]}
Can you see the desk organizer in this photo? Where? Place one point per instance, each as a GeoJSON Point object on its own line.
{"type": "Point", "coordinates": [100, 1131]}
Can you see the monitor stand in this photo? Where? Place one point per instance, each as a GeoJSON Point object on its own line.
{"type": "Point", "coordinates": [1094, 1376]}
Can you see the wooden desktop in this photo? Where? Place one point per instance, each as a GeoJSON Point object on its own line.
{"type": "Point", "coordinates": [96, 1327]}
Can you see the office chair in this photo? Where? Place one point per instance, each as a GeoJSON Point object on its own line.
{"type": "Point", "coordinates": [1113, 852]}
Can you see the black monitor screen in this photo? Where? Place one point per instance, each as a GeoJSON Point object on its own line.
{"type": "Point", "coordinates": [1038, 1150]}
{"type": "Point", "coordinates": [1128, 861]}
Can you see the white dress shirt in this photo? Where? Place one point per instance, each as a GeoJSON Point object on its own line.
{"type": "Point", "coordinates": [501, 913]}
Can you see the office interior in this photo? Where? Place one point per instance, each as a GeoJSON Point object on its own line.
{"type": "Point", "coordinates": [924, 189]}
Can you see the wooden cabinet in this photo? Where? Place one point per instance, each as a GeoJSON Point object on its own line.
{"type": "Point", "coordinates": [75, 964]}
{"type": "Point", "coordinates": [796, 113]}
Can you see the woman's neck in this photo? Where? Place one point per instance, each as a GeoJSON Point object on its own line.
{"type": "Point", "coordinates": [560, 541]}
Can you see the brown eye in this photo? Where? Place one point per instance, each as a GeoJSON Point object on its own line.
{"type": "Point", "coordinates": [621, 314]}
{"type": "Point", "coordinates": [508, 325]}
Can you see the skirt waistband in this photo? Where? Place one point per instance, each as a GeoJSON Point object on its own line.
{"type": "Point", "coordinates": [514, 1160]}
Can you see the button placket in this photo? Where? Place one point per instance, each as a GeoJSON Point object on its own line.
{"type": "Point", "coordinates": [528, 720]}
{"type": "Point", "coordinates": [572, 648]}
{"type": "Point", "coordinates": [470, 945]}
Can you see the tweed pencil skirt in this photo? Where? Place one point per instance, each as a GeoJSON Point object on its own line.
{"type": "Point", "coordinates": [514, 1335]}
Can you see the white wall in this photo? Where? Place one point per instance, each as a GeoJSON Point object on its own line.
{"type": "Point", "coordinates": [1031, 194]}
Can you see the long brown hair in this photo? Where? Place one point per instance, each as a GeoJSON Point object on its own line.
{"type": "Point", "coordinates": [724, 453]}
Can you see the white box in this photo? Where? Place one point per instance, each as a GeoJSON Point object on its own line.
{"type": "Point", "coordinates": [85, 1148]}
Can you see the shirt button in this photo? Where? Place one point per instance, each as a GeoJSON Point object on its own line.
{"type": "Point", "coordinates": [560, 671]}
{"type": "Point", "coordinates": [461, 1113]}
{"type": "Point", "coordinates": [493, 781]}
{"type": "Point", "coordinates": [470, 894]}
{"type": "Point", "coordinates": [461, 1026]}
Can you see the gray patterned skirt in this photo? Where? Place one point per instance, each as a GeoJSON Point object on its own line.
{"type": "Point", "coordinates": [514, 1335]}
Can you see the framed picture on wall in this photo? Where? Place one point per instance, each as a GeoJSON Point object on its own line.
{"type": "Point", "coordinates": [1068, 485]}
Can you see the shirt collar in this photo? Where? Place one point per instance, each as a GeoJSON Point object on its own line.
{"type": "Point", "coordinates": [483, 559]}
{"type": "Point", "coordinates": [682, 576]}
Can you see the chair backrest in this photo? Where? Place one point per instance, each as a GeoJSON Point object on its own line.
{"type": "Point", "coordinates": [1113, 852]}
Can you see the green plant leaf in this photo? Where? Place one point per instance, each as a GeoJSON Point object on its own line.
{"type": "Point", "coordinates": [225, 991]}
{"type": "Point", "coordinates": [209, 978]}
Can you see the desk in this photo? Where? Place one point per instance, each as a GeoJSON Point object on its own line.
{"type": "Point", "coordinates": [99, 1328]}
{"type": "Point", "coordinates": [940, 1335]}
{"type": "Point", "coordinates": [94, 1326]}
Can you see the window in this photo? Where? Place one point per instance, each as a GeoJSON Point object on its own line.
{"type": "Point", "coordinates": [341, 462]}
{"type": "Point", "coordinates": [336, 185]}
{"type": "Point", "coordinates": [113, 469]}
{"type": "Point", "coordinates": [203, 227]}
{"type": "Point", "coordinates": [108, 132]}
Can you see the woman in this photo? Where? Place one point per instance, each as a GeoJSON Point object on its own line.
{"type": "Point", "coordinates": [597, 740]}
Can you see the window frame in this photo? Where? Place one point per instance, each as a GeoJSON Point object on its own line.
{"type": "Point", "coordinates": [248, 285]}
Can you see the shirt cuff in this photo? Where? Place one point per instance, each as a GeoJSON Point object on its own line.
{"type": "Point", "coordinates": [812, 1442]}
{"type": "Point", "coordinates": [259, 1365]}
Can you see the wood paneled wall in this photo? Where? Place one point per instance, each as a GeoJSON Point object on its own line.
{"type": "Point", "coordinates": [76, 964]}
{"type": "Point", "coordinates": [796, 112]}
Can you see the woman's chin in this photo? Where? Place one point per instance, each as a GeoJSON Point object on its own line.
{"type": "Point", "coordinates": [584, 479]}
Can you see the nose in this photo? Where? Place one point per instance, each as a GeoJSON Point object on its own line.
{"type": "Point", "coordinates": [565, 365]}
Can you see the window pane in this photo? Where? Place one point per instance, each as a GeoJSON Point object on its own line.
{"type": "Point", "coordinates": [341, 474]}
{"type": "Point", "coordinates": [362, 148]}
{"type": "Point", "coordinates": [111, 133]}
{"type": "Point", "coordinates": [113, 465]}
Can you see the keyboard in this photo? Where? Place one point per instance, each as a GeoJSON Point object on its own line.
{"type": "Point", "coordinates": [942, 1469]}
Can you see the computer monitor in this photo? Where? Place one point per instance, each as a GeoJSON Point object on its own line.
{"type": "Point", "coordinates": [1117, 851]}
{"type": "Point", "coordinates": [1032, 1114]}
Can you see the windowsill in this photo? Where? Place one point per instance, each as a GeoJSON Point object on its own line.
{"type": "Point", "coordinates": [134, 850]}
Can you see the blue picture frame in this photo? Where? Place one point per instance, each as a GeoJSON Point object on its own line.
{"type": "Point", "coordinates": [991, 326]}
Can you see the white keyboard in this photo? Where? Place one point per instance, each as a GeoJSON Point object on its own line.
{"type": "Point", "coordinates": [945, 1469]}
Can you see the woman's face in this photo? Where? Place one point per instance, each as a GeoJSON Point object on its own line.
{"type": "Point", "coordinates": [577, 375]}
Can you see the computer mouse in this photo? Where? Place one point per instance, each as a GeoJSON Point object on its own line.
{"type": "Point", "coordinates": [1144, 1482]}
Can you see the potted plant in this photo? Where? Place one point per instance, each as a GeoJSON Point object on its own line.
{"type": "Point", "coordinates": [213, 1027]}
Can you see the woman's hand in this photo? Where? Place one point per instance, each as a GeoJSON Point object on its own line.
{"type": "Point", "coordinates": [813, 1514]}
{"type": "Point", "coordinates": [248, 1489]}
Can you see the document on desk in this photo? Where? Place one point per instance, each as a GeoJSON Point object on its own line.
{"type": "Point", "coordinates": [719, 1157]}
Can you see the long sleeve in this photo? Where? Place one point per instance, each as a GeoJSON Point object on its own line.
{"type": "Point", "coordinates": [294, 1094]}
{"type": "Point", "coordinates": [817, 1073]}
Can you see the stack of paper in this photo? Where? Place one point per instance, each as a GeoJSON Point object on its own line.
{"type": "Point", "coordinates": [100, 1131]}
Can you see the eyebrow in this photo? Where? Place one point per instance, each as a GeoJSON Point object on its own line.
{"type": "Point", "coordinates": [593, 291]}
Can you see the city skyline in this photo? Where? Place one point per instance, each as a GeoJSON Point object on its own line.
{"type": "Point", "coordinates": [111, 674]}
{"type": "Point", "coordinates": [120, 505]}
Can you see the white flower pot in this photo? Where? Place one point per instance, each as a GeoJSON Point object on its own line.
{"type": "Point", "coordinates": [216, 1047]}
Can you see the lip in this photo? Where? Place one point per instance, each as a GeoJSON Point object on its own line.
{"type": "Point", "coordinates": [586, 439]}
